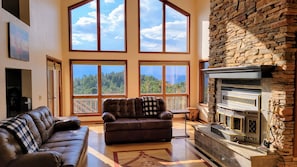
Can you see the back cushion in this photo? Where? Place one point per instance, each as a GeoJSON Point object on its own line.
{"type": "Point", "coordinates": [44, 122]}
{"type": "Point", "coordinates": [141, 110]}
{"type": "Point", "coordinates": [138, 107]}
{"type": "Point", "coordinates": [34, 130]}
{"type": "Point", "coordinates": [112, 106]}
{"type": "Point", "coordinates": [121, 108]}
{"type": "Point", "coordinates": [162, 105]}
{"type": "Point", "coordinates": [127, 107]}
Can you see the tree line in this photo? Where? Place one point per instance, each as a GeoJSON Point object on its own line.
{"type": "Point", "coordinates": [113, 83]}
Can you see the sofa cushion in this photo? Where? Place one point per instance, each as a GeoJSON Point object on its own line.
{"type": "Point", "coordinates": [150, 106]}
{"type": "Point", "coordinates": [31, 125]}
{"type": "Point", "coordinates": [127, 107]}
{"type": "Point", "coordinates": [44, 122]}
{"type": "Point", "coordinates": [79, 134]}
{"type": "Point", "coordinates": [139, 123]}
{"type": "Point", "coordinates": [121, 107]}
{"type": "Point", "coordinates": [18, 127]}
{"type": "Point", "coordinates": [70, 151]}
{"type": "Point", "coordinates": [152, 123]}
{"type": "Point", "coordinates": [70, 144]}
{"type": "Point", "coordinates": [112, 106]}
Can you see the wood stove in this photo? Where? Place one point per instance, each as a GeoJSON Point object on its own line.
{"type": "Point", "coordinates": [242, 102]}
{"type": "Point", "coordinates": [238, 115]}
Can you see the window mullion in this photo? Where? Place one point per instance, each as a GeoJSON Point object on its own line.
{"type": "Point", "coordinates": [164, 29]}
{"type": "Point", "coordinates": [98, 26]}
{"type": "Point", "coordinates": [164, 81]}
{"type": "Point", "coordinates": [99, 80]}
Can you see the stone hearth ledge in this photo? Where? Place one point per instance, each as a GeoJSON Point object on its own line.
{"type": "Point", "coordinates": [228, 153]}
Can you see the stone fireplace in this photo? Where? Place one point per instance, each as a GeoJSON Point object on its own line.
{"type": "Point", "coordinates": [246, 34]}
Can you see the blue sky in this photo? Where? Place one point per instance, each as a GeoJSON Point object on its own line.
{"type": "Point", "coordinates": [84, 30]}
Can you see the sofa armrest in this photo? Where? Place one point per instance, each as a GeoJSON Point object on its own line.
{"type": "Point", "coordinates": [165, 115]}
{"type": "Point", "coordinates": [108, 117]}
{"type": "Point", "coordinates": [37, 159]}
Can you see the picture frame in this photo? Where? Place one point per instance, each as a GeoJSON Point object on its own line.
{"type": "Point", "coordinates": [18, 42]}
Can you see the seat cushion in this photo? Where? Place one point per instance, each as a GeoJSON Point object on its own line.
{"type": "Point", "coordinates": [70, 150]}
{"type": "Point", "coordinates": [69, 143]}
{"type": "Point", "coordinates": [137, 123]}
{"type": "Point", "coordinates": [79, 134]}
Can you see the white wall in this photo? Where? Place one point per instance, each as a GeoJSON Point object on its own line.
{"type": "Point", "coordinates": [44, 39]}
{"type": "Point", "coordinates": [203, 12]}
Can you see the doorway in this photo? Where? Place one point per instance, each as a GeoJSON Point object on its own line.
{"type": "Point", "coordinates": [54, 86]}
{"type": "Point", "coordinates": [18, 91]}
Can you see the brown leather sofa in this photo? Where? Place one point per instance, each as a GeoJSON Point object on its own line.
{"type": "Point", "coordinates": [60, 143]}
{"type": "Point", "coordinates": [125, 121]}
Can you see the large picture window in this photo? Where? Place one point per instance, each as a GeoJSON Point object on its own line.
{"type": "Point", "coordinates": [98, 25]}
{"type": "Point", "coordinates": [164, 27]}
{"type": "Point", "coordinates": [169, 80]}
{"type": "Point", "coordinates": [93, 81]}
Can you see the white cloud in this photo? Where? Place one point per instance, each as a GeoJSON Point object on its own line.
{"type": "Point", "coordinates": [119, 37]}
{"type": "Point", "coordinates": [109, 1]}
{"type": "Point", "coordinates": [93, 5]}
{"type": "Point", "coordinates": [145, 5]}
{"type": "Point", "coordinates": [154, 33]}
{"type": "Point", "coordinates": [112, 21]}
{"type": "Point", "coordinates": [83, 21]}
{"type": "Point", "coordinates": [78, 38]}
{"type": "Point", "coordinates": [176, 30]}
{"type": "Point", "coordinates": [150, 46]}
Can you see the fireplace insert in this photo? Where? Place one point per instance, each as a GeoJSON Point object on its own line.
{"type": "Point", "coordinates": [238, 115]}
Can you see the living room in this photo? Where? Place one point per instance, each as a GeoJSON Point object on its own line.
{"type": "Point", "coordinates": [54, 58]}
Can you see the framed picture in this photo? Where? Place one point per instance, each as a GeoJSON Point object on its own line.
{"type": "Point", "coordinates": [18, 42]}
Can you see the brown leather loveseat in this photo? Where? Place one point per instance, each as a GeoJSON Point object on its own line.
{"type": "Point", "coordinates": [50, 143]}
{"type": "Point", "coordinates": [136, 120]}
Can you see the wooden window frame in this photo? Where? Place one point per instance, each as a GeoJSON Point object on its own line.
{"type": "Point", "coordinates": [99, 95]}
{"type": "Point", "coordinates": [178, 9]}
{"type": "Point", "coordinates": [163, 94]}
{"type": "Point", "coordinates": [98, 27]}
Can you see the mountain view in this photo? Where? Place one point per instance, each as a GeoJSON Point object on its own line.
{"type": "Point", "coordinates": [113, 83]}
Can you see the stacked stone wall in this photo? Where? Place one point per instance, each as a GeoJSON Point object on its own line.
{"type": "Point", "coordinates": [260, 32]}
